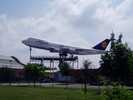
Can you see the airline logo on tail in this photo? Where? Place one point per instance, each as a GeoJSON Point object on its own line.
{"type": "Point", "coordinates": [102, 45]}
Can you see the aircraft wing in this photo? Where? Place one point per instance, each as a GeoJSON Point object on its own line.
{"type": "Point", "coordinates": [89, 51]}
{"type": "Point", "coordinates": [57, 48]}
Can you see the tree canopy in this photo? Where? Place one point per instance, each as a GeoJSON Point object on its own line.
{"type": "Point", "coordinates": [118, 63]}
{"type": "Point", "coordinates": [34, 71]}
{"type": "Point", "coordinates": [64, 68]}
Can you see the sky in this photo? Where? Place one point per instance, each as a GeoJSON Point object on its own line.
{"type": "Point", "coordinates": [80, 23]}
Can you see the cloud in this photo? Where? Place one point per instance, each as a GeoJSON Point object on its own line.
{"type": "Point", "coordinates": [80, 23]}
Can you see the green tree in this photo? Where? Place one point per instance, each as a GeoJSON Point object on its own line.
{"type": "Point", "coordinates": [86, 65]}
{"type": "Point", "coordinates": [64, 68]}
{"type": "Point", "coordinates": [117, 64]}
{"type": "Point", "coordinates": [34, 72]}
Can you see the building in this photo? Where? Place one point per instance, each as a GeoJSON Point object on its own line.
{"type": "Point", "coordinates": [11, 64]}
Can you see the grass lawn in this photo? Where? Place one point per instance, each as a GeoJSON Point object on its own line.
{"type": "Point", "coordinates": [41, 93]}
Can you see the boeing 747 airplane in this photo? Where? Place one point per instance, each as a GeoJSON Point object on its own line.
{"type": "Point", "coordinates": [59, 48]}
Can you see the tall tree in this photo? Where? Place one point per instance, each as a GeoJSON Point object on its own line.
{"type": "Point", "coordinates": [118, 63]}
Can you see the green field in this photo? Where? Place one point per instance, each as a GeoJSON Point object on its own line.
{"type": "Point", "coordinates": [41, 93]}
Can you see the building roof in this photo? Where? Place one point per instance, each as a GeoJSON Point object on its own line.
{"type": "Point", "coordinates": [9, 62]}
{"type": "Point", "coordinates": [5, 57]}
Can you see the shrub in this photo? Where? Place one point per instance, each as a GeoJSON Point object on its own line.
{"type": "Point", "coordinates": [115, 92]}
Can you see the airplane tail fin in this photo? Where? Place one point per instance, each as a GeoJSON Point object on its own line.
{"type": "Point", "coordinates": [102, 45]}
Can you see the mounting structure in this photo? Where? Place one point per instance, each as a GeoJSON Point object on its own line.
{"type": "Point", "coordinates": [54, 60]}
